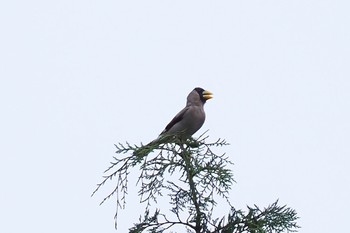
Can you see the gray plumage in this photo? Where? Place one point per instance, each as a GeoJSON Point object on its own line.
{"type": "Point", "coordinates": [190, 119]}
{"type": "Point", "coordinates": [187, 122]}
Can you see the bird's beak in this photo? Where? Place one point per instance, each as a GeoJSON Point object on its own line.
{"type": "Point", "coordinates": [207, 95]}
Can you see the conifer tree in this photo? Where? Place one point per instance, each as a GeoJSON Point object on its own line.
{"type": "Point", "coordinates": [193, 177]}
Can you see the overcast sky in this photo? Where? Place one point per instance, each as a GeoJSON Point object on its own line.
{"type": "Point", "coordinates": [79, 76]}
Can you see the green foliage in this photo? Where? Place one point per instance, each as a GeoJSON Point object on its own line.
{"type": "Point", "coordinates": [274, 218]}
{"type": "Point", "coordinates": [201, 178]}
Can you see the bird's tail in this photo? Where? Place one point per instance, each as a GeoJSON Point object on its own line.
{"type": "Point", "coordinates": [159, 142]}
{"type": "Point", "coordinates": [144, 150]}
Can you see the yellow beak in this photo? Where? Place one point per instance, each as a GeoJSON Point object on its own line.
{"type": "Point", "coordinates": [207, 95]}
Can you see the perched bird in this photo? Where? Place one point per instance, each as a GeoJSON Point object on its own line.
{"type": "Point", "coordinates": [190, 119]}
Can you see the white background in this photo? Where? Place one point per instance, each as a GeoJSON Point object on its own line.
{"type": "Point", "coordinates": [79, 76]}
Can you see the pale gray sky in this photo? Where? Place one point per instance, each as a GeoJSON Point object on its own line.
{"type": "Point", "coordinates": [79, 76]}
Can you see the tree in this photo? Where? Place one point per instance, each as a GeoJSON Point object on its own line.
{"type": "Point", "coordinates": [202, 177]}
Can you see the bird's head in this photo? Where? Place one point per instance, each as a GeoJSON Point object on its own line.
{"type": "Point", "coordinates": [203, 94]}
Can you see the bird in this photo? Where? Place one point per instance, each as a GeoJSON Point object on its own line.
{"type": "Point", "coordinates": [187, 122]}
{"type": "Point", "coordinates": [191, 118]}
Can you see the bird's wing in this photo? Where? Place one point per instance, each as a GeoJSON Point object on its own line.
{"type": "Point", "coordinates": [176, 119]}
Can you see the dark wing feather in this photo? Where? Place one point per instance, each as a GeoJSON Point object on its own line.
{"type": "Point", "coordinates": [176, 119]}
